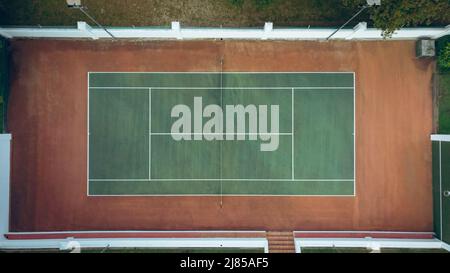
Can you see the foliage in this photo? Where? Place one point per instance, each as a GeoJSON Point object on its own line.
{"type": "Point", "coordinates": [262, 3]}
{"type": "Point", "coordinates": [444, 58]}
{"type": "Point", "coordinates": [443, 61]}
{"type": "Point", "coordinates": [238, 3]}
{"type": "Point", "coordinates": [257, 3]}
{"type": "Point", "coordinates": [395, 14]}
{"type": "Point", "coordinates": [444, 103]}
{"type": "Point", "coordinates": [3, 82]}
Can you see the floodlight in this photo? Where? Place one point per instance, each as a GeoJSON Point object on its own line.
{"type": "Point", "coordinates": [76, 4]}
{"type": "Point", "coordinates": [369, 3]}
{"type": "Point", "coordinates": [73, 3]}
{"type": "Point", "coordinates": [373, 2]}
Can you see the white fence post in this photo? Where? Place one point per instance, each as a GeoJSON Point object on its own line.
{"type": "Point", "coordinates": [359, 28]}
{"type": "Point", "coordinates": [443, 33]}
{"type": "Point", "coordinates": [176, 28]}
{"type": "Point", "coordinates": [268, 28]}
{"type": "Point", "coordinates": [5, 149]}
{"type": "Point", "coordinates": [86, 29]}
{"type": "Point", "coordinates": [4, 33]}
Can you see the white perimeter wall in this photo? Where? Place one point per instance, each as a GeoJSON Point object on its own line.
{"type": "Point", "coordinates": [5, 144]}
{"type": "Point", "coordinates": [444, 138]}
{"type": "Point", "coordinates": [175, 31]}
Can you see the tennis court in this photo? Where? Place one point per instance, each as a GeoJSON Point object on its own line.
{"type": "Point", "coordinates": [132, 150]}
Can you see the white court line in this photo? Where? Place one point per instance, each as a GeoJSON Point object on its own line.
{"type": "Point", "coordinates": [440, 187]}
{"type": "Point", "coordinates": [292, 133]}
{"type": "Point", "coordinates": [218, 134]}
{"type": "Point", "coordinates": [354, 134]}
{"type": "Point", "coordinates": [222, 88]}
{"type": "Point", "coordinates": [221, 143]}
{"type": "Point", "coordinates": [88, 133]}
{"type": "Point", "coordinates": [228, 72]}
{"type": "Point", "coordinates": [150, 133]}
{"type": "Point", "coordinates": [217, 72]}
{"type": "Point", "coordinates": [219, 179]}
{"type": "Point", "coordinates": [225, 194]}
{"type": "Point", "coordinates": [286, 88]}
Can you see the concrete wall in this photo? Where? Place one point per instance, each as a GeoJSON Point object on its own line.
{"type": "Point", "coordinates": [5, 144]}
{"type": "Point", "coordinates": [83, 30]}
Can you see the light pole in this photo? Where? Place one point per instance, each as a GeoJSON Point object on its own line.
{"type": "Point", "coordinates": [76, 4]}
{"type": "Point", "coordinates": [369, 3]}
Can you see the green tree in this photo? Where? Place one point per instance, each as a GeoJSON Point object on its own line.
{"type": "Point", "coordinates": [395, 14]}
{"type": "Point", "coordinates": [444, 58]}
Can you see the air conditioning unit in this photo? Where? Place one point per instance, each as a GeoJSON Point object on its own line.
{"type": "Point", "coordinates": [425, 48]}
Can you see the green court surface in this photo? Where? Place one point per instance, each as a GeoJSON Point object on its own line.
{"type": "Point", "coordinates": [132, 150]}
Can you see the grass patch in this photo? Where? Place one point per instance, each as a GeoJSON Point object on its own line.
{"type": "Point", "coordinates": [442, 48]}
{"type": "Point", "coordinates": [233, 13]}
{"type": "Point", "coordinates": [443, 79]}
{"type": "Point", "coordinates": [175, 250]}
{"type": "Point", "coordinates": [3, 82]}
{"type": "Point", "coordinates": [444, 103]}
{"type": "Point", "coordinates": [143, 250]}
{"type": "Point", "coordinates": [412, 250]}
{"type": "Point", "coordinates": [365, 250]}
{"type": "Point", "coordinates": [335, 250]}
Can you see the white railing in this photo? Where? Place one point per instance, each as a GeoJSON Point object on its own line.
{"type": "Point", "coordinates": [5, 143]}
{"type": "Point", "coordinates": [371, 244]}
{"type": "Point", "coordinates": [101, 243]}
{"type": "Point", "coordinates": [268, 32]}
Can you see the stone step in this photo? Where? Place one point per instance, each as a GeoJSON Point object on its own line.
{"type": "Point", "coordinates": [281, 238]}
{"type": "Point", "coordinates": [281, 251]}
{"type": "Point", "coordinates": [281, 248]}
{"type": "Point", "coordinates": [277, 243]}
{"type": "Point", "coordinates": [279, 233]}
{"type": "Point", "coordinates": [281, 241]}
